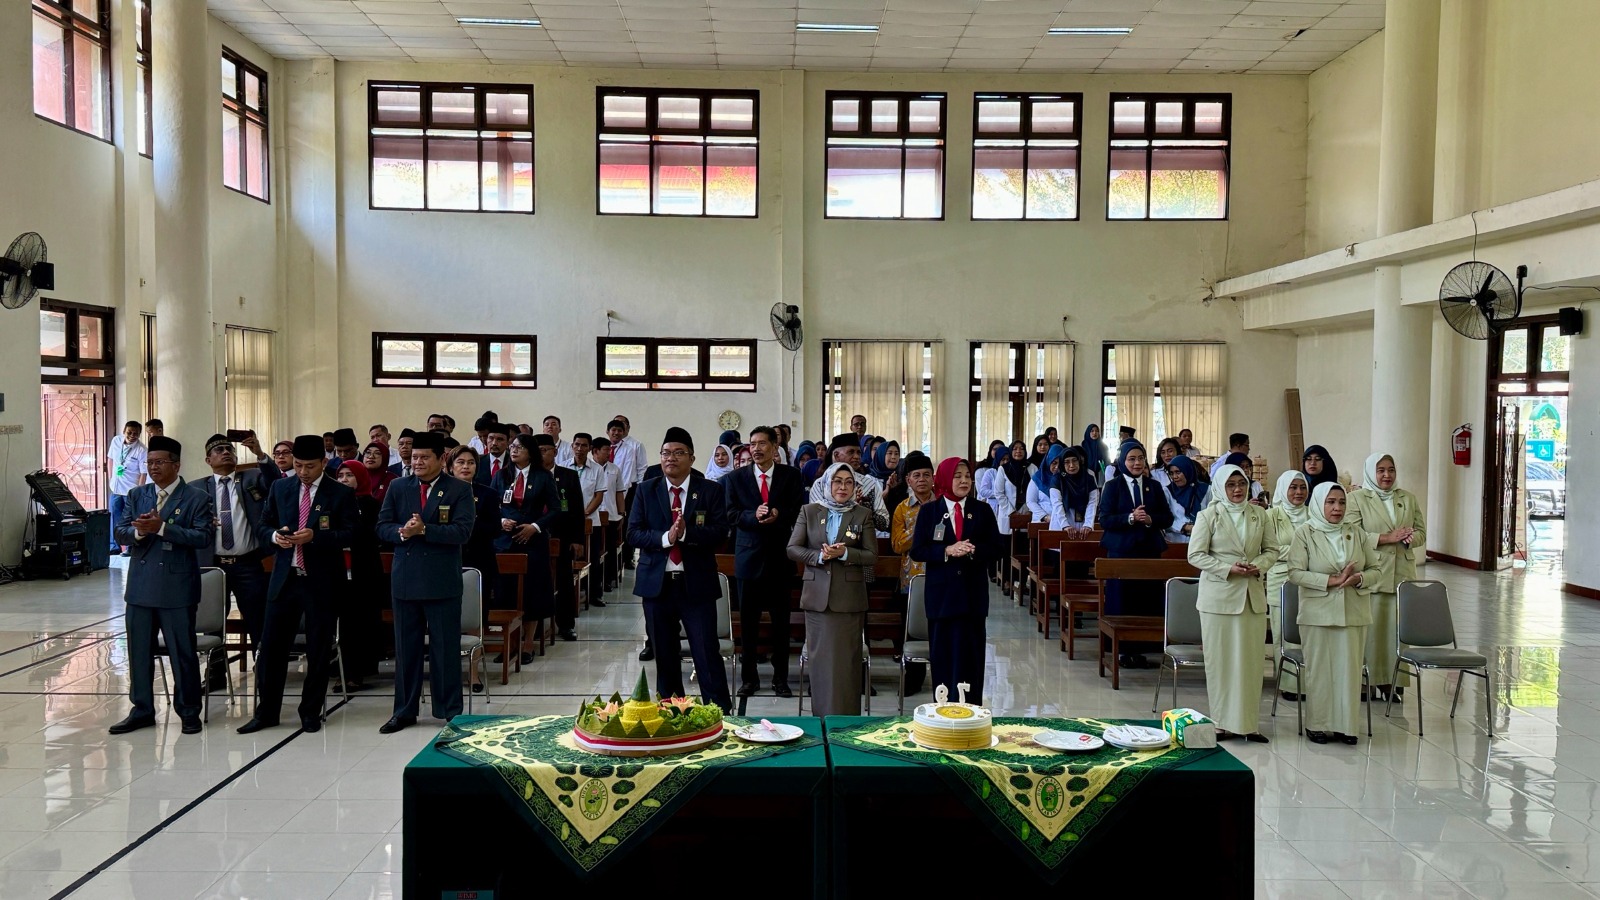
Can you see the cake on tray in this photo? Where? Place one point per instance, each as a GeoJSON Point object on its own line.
{"type": "Point", "coordinates": [942, 725]}
{"type": "Point", "coordinates": [639, 726]}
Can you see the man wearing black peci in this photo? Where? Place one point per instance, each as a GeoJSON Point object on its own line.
{"type": "Point", "coordinates": [240, 541]}
{"type": "Point", "coordinates": [569, 528]}
{"type": "Point", "coordinates": [763, 501]}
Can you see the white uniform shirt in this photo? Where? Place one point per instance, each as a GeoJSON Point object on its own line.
{"type": "Point", "coordinates": [592, 477]}
{"type": "Point", "coordinates": [629, 459]}
{"type": "Point", "coordinates": [127, 464]}
{"type": "Point", "coordinates": [244, 538]}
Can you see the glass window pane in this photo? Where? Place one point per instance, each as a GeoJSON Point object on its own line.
{"type": "Point", "coordinates": [510, 358]}
{"type": "Point", "coordinates": [91, 341]}
{"type": "Point", "coordinates": [864, 182]}
{"type": "Point", "coordinates": [1554, 348]}
{"type": "Point", "coordinates": [1169, 118]}
{"type": "Point", "coordinates": [452, 174]}
{"type": "Point", "coordinates": [232, 173]}
{"type": "Point", "coordinates": [847, 115]}
{"type": "Point", "coordinates": [508, 176]}
{"type": "Point", "coordinates": [625, 360]}
{"type": "Point", "coordinates": [924, 182]}
{"type": "Point", "coordinates": [999, 116]}
{"type": "Point", "coordinates": [255, 149]}
{"type": "Point", "coordinates": [733, 113]}
{"type": "Point", "coordinates": [89, 9]}
{"type": "Point", "coordinates": [1188, 182]}
{"type": "Point", "coordinates": [88, 86]}
{"type": "Point", "coordinates": [680, 174]}
{"type": "Point", "coordinates": [1127, 117]}
{"type": "Point", "coordinates": [1053, 117]}
{"type": "Point", "coordinates": [926, 116]}
{"type": "Point", "coordinates": [624, 111]}
{"type": "Point", "coordinates": [730, 362]}
{"type": "Point", "coordinates": [252, 90]}
{"type": "Point", "coordinates": [730, 180]}
{"type": "Point", "coordinates": [1514, 352]}
{"type": "Point", "coordinates": [230, 78]}
{"type": "Point", "coordinates": [142, 96]}
{"type": "Point", "coordinates": [677, 361]}
{"type": "Point", "coordinates": [455, 357]}
{"type": "Point", "coordinates": [507, 110]}
{"type": "Point", "coordinates": [885, 115]}
{"type": "Point", "coordinates": [52, 333]}
{"type": "Point", "coordinates": [453, 108]}
{"type": "Point", "coordinates": [397, 172]}
{"type": "Point", "coordinates": [1053, 183]}
{"type": "Point", "coordinates": [997, 182]}
{"type": "Point", "coordinates": [49, 70]}
{"type": "Point", "coordinates": [400, 356]}
{"type": "Point", "coordinates": [1126, 194]}
{"type": "Point", "coordinates": [1208, 118]}
{"type": "Point", "coordinates": [678, 112]}
{"type": "Point", "coordinates": [398, 108]}
{"type": "Point", "coordinates": [624, 178]}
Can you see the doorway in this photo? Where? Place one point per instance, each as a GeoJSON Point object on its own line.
{"type": "Point", "coordinates": [77, 375]}
{"type": "Point", "coordinates": [1525, 481]}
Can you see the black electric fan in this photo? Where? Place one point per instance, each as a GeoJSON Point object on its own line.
{"type": "Point", "coordinates": [786, 325]}
{"type": "Point", "coordinates": [1478, 299]}
{"type": "Point", "coordinates": [24, 271]}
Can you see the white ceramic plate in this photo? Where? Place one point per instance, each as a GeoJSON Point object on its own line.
{"type": "Point", "coordinates": [1068, 741]}
{"type": "Point", "coordinates": [757, 733]}
{"type": "Point", "coordinates": [1136, 737]}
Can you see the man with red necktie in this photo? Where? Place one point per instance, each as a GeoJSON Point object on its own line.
{"type": "Point", "coordinates": [763, 501]}
{"type": "Point", "coordinates": [496, 453]}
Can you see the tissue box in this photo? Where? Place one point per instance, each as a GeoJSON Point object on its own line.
{"type": "Point", "coordinates": [1189, 728]}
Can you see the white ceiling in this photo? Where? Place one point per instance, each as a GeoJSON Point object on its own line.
{"type": "Point", "coordinates": [915, 35]}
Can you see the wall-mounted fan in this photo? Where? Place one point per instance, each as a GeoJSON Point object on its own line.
{"type": "Point", "coordinates": [1477, 299]}
{"type": "Point", "coordinates": [24, 271]}
{"type": "Point", "coordinates": [786, 325]}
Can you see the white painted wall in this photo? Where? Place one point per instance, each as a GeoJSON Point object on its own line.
{"type": "Point", "coordinates": [1583, 445]}
{"type": "Point", "coordinates": [1345, 98]}
{"type": "Point", "coordinates": [1334, 374]}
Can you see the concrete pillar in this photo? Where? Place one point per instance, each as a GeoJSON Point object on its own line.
{"type": "Point", "coordinates": [1459, 129]}
{"type": "Point", "coordinates": [1406, 130]}
{"type": "Point", "coordinates": [309, 174]}
{"type": "Point", "coordinates": [791, 199]}
{"type": "Point", "coordinates": [1402, 349]}
{"type": "Point", "coordinates": [187, 106]}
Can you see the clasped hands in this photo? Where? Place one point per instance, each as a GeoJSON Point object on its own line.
{"type": "Point", "coordinates": [1349, 576]}
{"type": "Point", "coordinates": [1140, 516]}
{"type": "Point", "coordinates": [1400, 535]}
{"type": "Point", "coordinates": [960, 548]}
{"type": "Point", "coordinates": [766, 515]}
{"type": "Point", "coordinates": [1243, 568]}
{"type": "Point", "coordinates": [412, 527]}
{"type": "Point", "coordinates": [520, 534]}
{"type": "Point", "coordinates": [833, 551]}
{"type": "Point", "coordinates": [148, 523]}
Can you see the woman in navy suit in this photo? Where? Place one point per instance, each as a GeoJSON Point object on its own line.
{"type": "Point", "coordinates": [462, 464]}
{"type": "Point", "coordinates": [957, 538]}
{"type": "Point", "coordinates": [530, 510]}
{"type": "Point", "coordinates": [1134, 512]}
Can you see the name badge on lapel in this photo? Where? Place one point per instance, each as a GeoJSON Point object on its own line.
{"type": "Point", "coordinates": [507, 497]}
{"type": "Point", "coordinates": [444, 515]}
{"type": "Point", "coordinates": [257, 495]}
{"type": "Point", "coordinates": [165, 545]}
{"type": "Point", "coordinates": [563, 501]}
{"type": "Point", "coordinates": [699, 518]}
{"type": "Point", "coordinates": [938, 531]}
{"type": "Point", "coordinates": [322, 523]}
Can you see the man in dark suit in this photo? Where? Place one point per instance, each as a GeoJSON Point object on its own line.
{"type": "Point", "coordinates": [403, 453]}
{"type": "Point", "coordinates": [957, 538]}
{"type": "Point", "coordinates": [763, 501]}
{"type": "Point", "coordinates": [427, 516]}
{"type": "Point", "coordinates": [569, 528]}
{"type": "Point", "coordinates": [496, 453]}
{"type": "Point", "coordinates": [651, 472]}
{"type": "Point", "coordinates": [312, 518]}
{"type": "Point", "coordinates": [677, 523]}
{"type": "Point", "coordinates": [241, 541]}
{"type": "Point", "coordinates": [163, 523]}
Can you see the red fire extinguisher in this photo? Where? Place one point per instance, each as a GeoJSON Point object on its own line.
{"type": "Point", "coordinates": [1461, 445]}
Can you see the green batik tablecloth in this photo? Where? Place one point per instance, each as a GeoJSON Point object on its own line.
{"type": "Point", "coordinates": [1044, 804]}
{"type": "Point", "coordinates": [587, 808]}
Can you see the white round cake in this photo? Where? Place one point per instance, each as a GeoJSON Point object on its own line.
{"type": "Point", "coordinates": [952, 726]}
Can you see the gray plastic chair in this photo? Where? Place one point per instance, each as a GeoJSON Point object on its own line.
{"type": "Point", "coordinates": [1296, 657]}
{"type": "Point", "coordinates": [915, 648]}
{"type": "Point", "coordinates": [210, 623]}
{"type": "Point", "coordinates": [1180, 635]}
{"type": "Point", "coordinates": [1424, 623]}
{"type": "Point", "coordinates": [472, 629]}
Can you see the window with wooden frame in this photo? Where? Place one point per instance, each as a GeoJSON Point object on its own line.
{"type": "Point", "coordinates": [890, 383]}
{"type": "Point", "coordinates": [75, 343]}
{"type": "Point", "coordinates": [674, 364]}
{"type": "Point", "coordinates": [246, 157]}
{"type": "Point", "coordinates": [72, 64]}
{"type": "Point", "coordinates": [1018, 389]}
{"type": "Point", "coordinates": [454, 360]}
{"type": "Point", "coordinates": [1025, 156]}
{"type": "Point", "coordinates": [1169, 156]}
{"type": "Point", "coordinates": [885, 155]}
{"type": "Point", "coordinates": [664, 152]}
{"type": "Point", "coordinates": [144, 90]}
{"type": "Point", "coordinates": [454, 147]}
{"type": "Point", "coordinates": [1530, 356]}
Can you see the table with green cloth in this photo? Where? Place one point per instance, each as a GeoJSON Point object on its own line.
{"type": "Point", "coordinates": [508, 805]}
{"type": "Point", "coordinates": [911, 820]}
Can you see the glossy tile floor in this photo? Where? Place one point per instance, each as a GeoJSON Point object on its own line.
{"type": "Point", "coordinates": [1454, 814]}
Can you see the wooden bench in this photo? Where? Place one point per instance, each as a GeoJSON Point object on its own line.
{"type": "Point", "coordinates": [1045, 578]}
{"type": "Point", "coordinates": [1117, 629]}
{"type": "Point", "coordinates": [1013, 582]}
{"type": "Point", "coordinates": [1076, 590]}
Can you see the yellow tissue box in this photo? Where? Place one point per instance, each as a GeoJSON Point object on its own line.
{"type": "Point", "coordinates": [1189, 728]}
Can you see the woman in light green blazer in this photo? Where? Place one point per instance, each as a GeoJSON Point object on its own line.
{"type": "Point", "coordinates": [1289, 511]}
{"type": "Point", "coordinates": [834, 540]}
{"type": "Point", "coordinates": [1232, 545]}
{"type": "Point", "coordinates": [1392, 518]}
{"type": "Point", "coordinates": [1331, 563]}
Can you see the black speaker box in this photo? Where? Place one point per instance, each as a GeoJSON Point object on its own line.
{"type": "Point", "coordinates": [1570, 320]}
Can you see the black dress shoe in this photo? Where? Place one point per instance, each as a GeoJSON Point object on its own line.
{"type": "Point", "coordinates": [648, 653]}
{"type": "Point", "coordinates": [191, 725]}
{"type": "Point", "coordinates": [526, 658]}
{"type": "Point", "coordinates": [597, 602]}
{"type": "Point", "coordinates": [132, 723]}
{"type": "Point", "coordinates": [397, 723]}
{"type": "Point", "coordinates": [311, 725]}
{"type": "Point", "coordinates": [568, 635]}
{"type": "Point", "coordinates": [1256, 737]}
{"type": "Point", "coordinates": [1346, 738]}
{"type": "Point", "coordinates": [782, 690]}
{"type": "Point", "coordinates": [1317, 737]}
{"type": "Point", "coordinates": [255, 725]}
{"type": "Point", "coordinates": [477, 688]}
{"type": "Point", "coordinates": [1291, 696]}
{"type": "Point", "coordinates": [748, 689]}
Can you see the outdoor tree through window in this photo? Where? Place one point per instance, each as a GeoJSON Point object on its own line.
{"type": "Point", "coordinates": [1169, 156]}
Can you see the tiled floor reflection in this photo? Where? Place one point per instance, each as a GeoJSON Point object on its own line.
{"type": "Point", "coordinates": [1452, 814]}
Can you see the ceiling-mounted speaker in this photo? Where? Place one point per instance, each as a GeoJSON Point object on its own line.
{"type": "Point", "coordinates": [1570, 320]}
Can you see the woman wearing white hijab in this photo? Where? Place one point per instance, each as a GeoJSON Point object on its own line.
{"type": "Point", "coordinates": [1392, 519]}
{"type": "Point", "coordinates": [721, 463]}
{"type": "Point", "coordinates": [835, 541]}
{"type": "Point", "coordinates": [1289, 511]}
{"type": "Point", "coordinates": [1232, 545]}
{"type": "Point", "coordinates": [1330, 560]}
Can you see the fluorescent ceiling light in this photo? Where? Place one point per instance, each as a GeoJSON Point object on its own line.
{"type": "Point", "coordinates": [827, 27]}
{"type": "Point", "coordinates": [505, 23]}
{"type": "Point", "coordinates": [1103, 30]}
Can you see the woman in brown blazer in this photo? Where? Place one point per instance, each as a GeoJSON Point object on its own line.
{"type": "Point", "coordinates": [834, 540]}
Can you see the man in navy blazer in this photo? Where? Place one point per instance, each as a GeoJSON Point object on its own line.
{"type": "Point", "coordinates": [496, 453]}
{"type": "Point", "coordinates": [428, 517]}
{"type": "Point", "coordinates": [240, 540]}
{"type": "Point", "coordinates": [312, 518]}
{"type": "Point", "coordinates": [764, 499]}
{"type": "Point", "coordinates": [162, 523]}
{"type": "Point", "coordinates": [678, 522]}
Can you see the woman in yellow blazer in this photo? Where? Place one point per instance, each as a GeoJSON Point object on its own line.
{"type": "Point", "coordinates": [1331, 563]}
{"type": "Point", "coordinates": [838, 546]}
{"type": "Point", "coordinates": [1392, 518]}
{"type": "Point", "coordinates": [1289, 511]}
{"type": "Point", "coordinates": [1232, 545]}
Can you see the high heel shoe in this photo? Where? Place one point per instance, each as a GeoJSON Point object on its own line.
{"type": "Point", "coordinates": [477, 687]}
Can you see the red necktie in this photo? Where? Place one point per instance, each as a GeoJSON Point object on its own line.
{"type": "Point", "coordinates": [763, 487]}
{"type": "Point", "coordinates": [494, 468]}
{"type": "Point", "coordinates": [676, 553]}
{"type": "Point", "coordinates": [958, 520]}
{"type": "Point", "coordinates": [305, 514]}
{"type": "Point", "coordinates": [516, 492]}
{"type": "Point", "coordinates": [424, 498]}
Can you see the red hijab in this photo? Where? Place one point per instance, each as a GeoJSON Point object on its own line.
{"type": "Point", "coordinates": [378, 478]}
{"type": "Point", "coordinates": [945, 477]}
{"type": "Point", "coordinates": [363, 478]}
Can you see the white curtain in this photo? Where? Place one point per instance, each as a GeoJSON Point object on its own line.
{"type": "Point", "coordinates": [1136, 393]}
{"type": "Point", "coordinates": [1047, 390]}
{"type": "Point", "coordinates": [1194, 386]}
{"type": "Point", "coordinates": [248, 388]}
{"type": "Point", "coordinates": [994, 393]}
{"type": "Point", "coordinates": [892, 383]}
